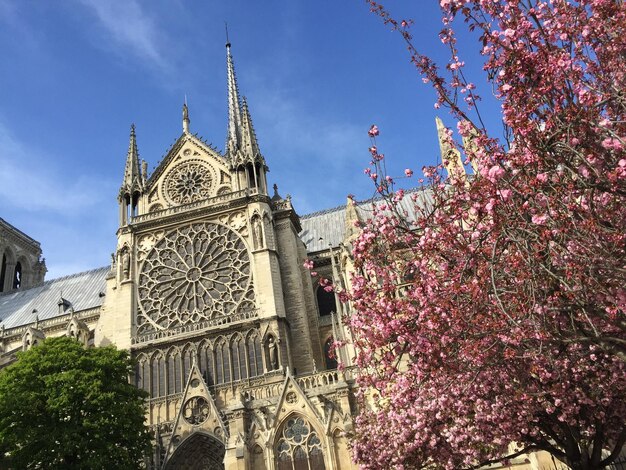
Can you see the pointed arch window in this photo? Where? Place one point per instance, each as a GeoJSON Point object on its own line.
{"type": "Point", "coordinates": [222, 362]}
{"type": "Point", "coordinates": [188, 354]}
{"type": "Point", "coordinates": [255, 358]}
{"type": "Point", "coordinates": [325, 302]}
{"type": "Point", "coordinates": [298, 446]}
{"type": "Point", "coordinates": [206, 363]}
{"type": "Point", "coordinates": [3, 271]}
{"type": "Point", "coordinates": [17, 276]}
{"type": "Point", "coordinates": [238, 353]}
{"type": "Point", "coordinates": [154, 379]}
{"type": "Point", "coordinates": [329, 354]}
{"type": "Point", "coordinates": [174, 373]}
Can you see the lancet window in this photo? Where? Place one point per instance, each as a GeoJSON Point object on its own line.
{"type": "Point", "coordinates": [3, 271]}
{"type": "Point", "coordinates": [17, 276]}
{"type": "Point", "coordinates": [255, 355]}
{"type": "Point", "coordinates": [238, 352]}
{"type": "Point", "coordinates": [325, 302]}
{"type": "Point", "coordinates": [329, 354]}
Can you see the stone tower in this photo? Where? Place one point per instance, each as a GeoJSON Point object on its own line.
{"type": "Point", "coordinates": [21, 265]}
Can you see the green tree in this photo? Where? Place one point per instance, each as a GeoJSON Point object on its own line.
{"type": "Point", "coordinates": [65, 406]}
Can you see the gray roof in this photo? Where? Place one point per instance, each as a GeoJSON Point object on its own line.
{"type": "Point", "coordinates": [328, 227]}
{"type": "Point", "coordinates": [82, 291]}
{"type": "Point", "coordinates": [324, 228]}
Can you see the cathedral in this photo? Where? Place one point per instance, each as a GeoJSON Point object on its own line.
{"type": "Point", "coordinates": [208, 291]}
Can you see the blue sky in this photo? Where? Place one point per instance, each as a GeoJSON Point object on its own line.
{"type": "Point", "coordinates": [75, 74]}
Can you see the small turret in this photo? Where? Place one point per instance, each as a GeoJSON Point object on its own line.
{"type": "Point", "coordinates": [450, 156]}
{"type": "Point", "coordinates": [132, 184]}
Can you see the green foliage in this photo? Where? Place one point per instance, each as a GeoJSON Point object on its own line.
{"type": "Point", "coordinates": [66, 407]}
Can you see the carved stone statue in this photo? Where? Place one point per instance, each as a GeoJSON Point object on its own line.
{"type": "Point", "coordinates": [125, 264]}
{"type": "Point", "coordinates": [272, 350]}
{"type": "Point", "coordinates": [257, 233]}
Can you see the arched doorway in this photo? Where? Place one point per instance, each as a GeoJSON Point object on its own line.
{"type": "Point", "coordinates": [198, 452]}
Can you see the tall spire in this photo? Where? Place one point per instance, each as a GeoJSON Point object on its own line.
{"type": "Point", "coordinates": [132, 173]}
{"type": "Point", "coordinates": [233, 141]}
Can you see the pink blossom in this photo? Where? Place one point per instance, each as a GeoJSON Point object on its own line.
{"type": "Point", "coordinates": [495, 172]}
{"type": "Point", "coordinates": [373, 132]}
{"type": "Point", "coordinates": [505, 194]}
{"type": "Point", "coordinates": [612, 143]}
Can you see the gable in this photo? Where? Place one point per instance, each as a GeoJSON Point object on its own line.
{"type": "Point", "coordinates": [191, 171]}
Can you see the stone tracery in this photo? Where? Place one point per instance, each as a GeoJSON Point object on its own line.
{"type": "Point", "coordinates": [188, 182]}
{"type": "Point", "coordinates": [194, 273]}
{"type": "Point", "coordinates": [299, 446]}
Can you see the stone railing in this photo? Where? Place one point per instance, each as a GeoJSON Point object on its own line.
{"type": "Point", "coordinates": [307, 382]}
{"type": "Point", "coordinates": [193, 205]}
{"type": "Point", "coordinates": [197, 327]}
{"type": "Point", "coordinates": [262, 392]}
{"type": "Point", "coordinates": [321, 379]}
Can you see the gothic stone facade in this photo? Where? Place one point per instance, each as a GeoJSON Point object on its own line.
{"type": "Point", "coordinates": [208, 291]}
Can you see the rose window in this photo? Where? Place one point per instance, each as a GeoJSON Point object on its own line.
{"type": "Point", "coordinates": [188, 182]}
{"type": "Point", "coordinates": [196, 410]}
{"type": "Point", "coordinates": [194, 273]}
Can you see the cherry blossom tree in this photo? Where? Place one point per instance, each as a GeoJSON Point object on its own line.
{"type": "Point", "coordinates": [492, 323]}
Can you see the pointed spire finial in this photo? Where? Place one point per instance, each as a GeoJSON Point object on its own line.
{"type": "Point", "coordinates": [227, 41]}
{"type": "Point", "coordinates": [132, 171]}
{"type": "Point", "coordinates": [185, 117]}
{"type": "Point", "coordinates": [233, 141]}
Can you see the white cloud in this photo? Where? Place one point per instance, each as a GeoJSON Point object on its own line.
{"type": "Point", "coordinates": [130, 27]}
{"type": "Point", "coordinates": [29, 181]}
{"type": "Point", "coordinates": [332, 141]}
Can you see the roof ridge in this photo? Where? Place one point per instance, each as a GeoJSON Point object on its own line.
{"type": "Point", "coordinates": [361, 203]}
{"type": "Point", "coordinates": [62, 278]}
{"type": "Point", "coordinates": [81, 273]}
{"type": "Point", "coordinates": [322, 212]}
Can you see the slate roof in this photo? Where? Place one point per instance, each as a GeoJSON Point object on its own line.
{"type": "Point", "coordinates": [328, 227]}
{"type": "Point", "coordinates": [324, 228]}
{"type": "Point", "coordinates": [82, 290]}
